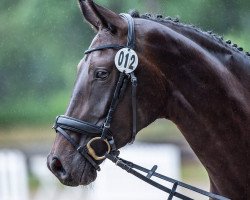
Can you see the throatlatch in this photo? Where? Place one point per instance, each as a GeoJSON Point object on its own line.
{"type": "Point", "coordinates": [126, 61]}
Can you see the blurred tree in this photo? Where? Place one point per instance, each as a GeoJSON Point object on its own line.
{"type": "Point", "coordinates": [41, 43]}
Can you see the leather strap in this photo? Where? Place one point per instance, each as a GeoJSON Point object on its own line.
{"type": "Point", "coordinates": [114, 103]}
{"type": "Point", "coordinates": [129, 167]}
{"type": "Point", "coordinates": [171, 180]}
{"type": "Point", "coordinates": [134, 107]}
{"type": "Point", "coordinates": [78, 126]}
{"type": "Point", "coordinates": [82, 150]}
{"type": "Point", "coordinates": [174, 188]}
{"type": "Point", "coordinates": [119, 162]}
{"type": "Point", "coordinates": [108, 46]}
{"type": "Point", "coordinates": [131, 30]}
{"type": "Point", "coordinates": [63, 123]}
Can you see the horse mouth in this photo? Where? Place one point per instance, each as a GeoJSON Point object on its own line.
{"type": "Point", "coordinates": [84, 178]}
{"type": "Point", "coordinates": [83, 174]}
{"type": "Point", "coordinates": [89, 175]}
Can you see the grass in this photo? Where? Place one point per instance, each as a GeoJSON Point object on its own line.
{"type": "Point", "coordinates": [160, 131]}
{"type": "Point", "coordinates": [20, 136]}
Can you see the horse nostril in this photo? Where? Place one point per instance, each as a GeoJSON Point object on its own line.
{"type": "Point", "coordinates": [57, 167]}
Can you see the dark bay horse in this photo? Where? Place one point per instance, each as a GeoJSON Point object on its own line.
{"type": "Point", "coordinates": [190, 77]}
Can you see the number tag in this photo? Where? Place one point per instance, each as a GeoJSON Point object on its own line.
{"type": "Point", "coordinates": [126, 60]}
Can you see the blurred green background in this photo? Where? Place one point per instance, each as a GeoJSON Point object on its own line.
{"type": "Point", "coordinates": [41, 43]}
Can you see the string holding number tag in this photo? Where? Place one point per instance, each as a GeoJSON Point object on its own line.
{"type": "Point", "coordinates": [126, 60]}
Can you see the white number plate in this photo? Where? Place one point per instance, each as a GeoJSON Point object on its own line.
{"type": "Point", "coordinates": [126, 60]}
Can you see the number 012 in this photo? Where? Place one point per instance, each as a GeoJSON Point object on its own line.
{"type": "Point", "coordinates": [123, 60]}
{"type": "Point", "coordinates": [126, 60]}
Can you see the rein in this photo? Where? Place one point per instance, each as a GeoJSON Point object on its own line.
{"type": "Point", "coordinates": [103, 133]}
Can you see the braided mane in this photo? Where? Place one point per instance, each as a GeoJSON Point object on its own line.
{"type": "Point", "coordinates": [175, 21]}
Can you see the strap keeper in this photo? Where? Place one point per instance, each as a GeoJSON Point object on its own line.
{"type": "Point", "coordinates": [80, 149]}
{"type": "Point", "coordinates": [152, 171]}
{"type": "Point", "coordinates": [115, 153]}
{"type": "Point", "coordinates": [112, 144]}
{"type": "Point", "coordinates": [54, 126]}
{"type": "Point", "coordinates": [171, 195]}
{"type": "Point", "coordinates": [118, 161]}
{"type": "Point", "coordinates": [128, 168]}
{"type": "Point", "coordinates": [123, 165]}
{"type": "Point", "coordinates": [133, 79]}
{"type": "Point", "coordinates": [106, 125]}
{"type": "Point", "coordinates": [105, 129]}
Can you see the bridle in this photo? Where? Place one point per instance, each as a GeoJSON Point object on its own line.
{"type": "Point", "coordinates": [103, 133]}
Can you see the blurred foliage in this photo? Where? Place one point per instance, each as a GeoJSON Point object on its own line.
{"type": "Point", "coordinates": [43, 41]}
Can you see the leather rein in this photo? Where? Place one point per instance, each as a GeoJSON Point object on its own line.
{"type": "Point", "coordinates": [103, 133]}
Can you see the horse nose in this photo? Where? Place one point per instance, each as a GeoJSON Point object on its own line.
{"type": "Point", "coordinates": [56, 167]}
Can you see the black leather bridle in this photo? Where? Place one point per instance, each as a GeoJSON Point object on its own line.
{"type": "Point", "coordinates": [64, 123]}
{"type": "Point", "coordinates": [104, 134]}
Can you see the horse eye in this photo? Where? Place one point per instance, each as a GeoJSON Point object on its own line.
{"type": "Point", "coordinates": [102, 74]}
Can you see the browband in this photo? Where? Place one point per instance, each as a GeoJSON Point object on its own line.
{"type": "Point", "coordinates": [108, 46]}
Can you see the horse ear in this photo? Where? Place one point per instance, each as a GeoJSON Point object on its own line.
{"type": "Point", "coordinates": [100, 17]}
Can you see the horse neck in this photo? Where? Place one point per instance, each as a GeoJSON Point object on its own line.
{"type": "Point", "coordinates": [206, 100]}
{"type": "Point", "coordinates": [231, 57]}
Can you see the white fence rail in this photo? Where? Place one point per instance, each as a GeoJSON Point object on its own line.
{"type": "Point", "coordinates": [13, 176]}
{"type": "Point", "coordinates": [112, 183]}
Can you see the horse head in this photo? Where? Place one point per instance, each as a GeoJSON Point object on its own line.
{"type": "Point", "coordinates": [95, 86]}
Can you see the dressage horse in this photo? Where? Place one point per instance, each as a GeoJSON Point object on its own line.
{"type": "Point", "coordinates": [185, 75]}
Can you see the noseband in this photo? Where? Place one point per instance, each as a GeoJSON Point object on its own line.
{"type": "Point", "coordinates": [103, 133]}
